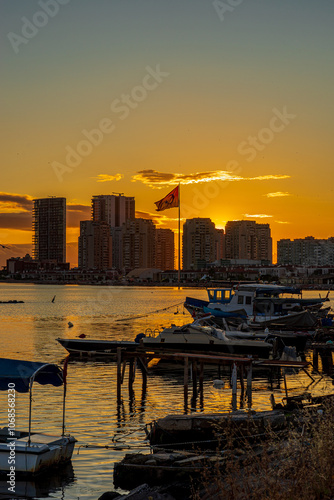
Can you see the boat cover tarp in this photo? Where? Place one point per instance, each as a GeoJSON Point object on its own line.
{"type": "Point", "coordinates": [224, 314]}
{"type": "Point", "coordinates": [268, 290]}
{"type": "Point", "coordinates": [20, 373]}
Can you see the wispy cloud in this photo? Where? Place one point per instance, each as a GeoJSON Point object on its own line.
{"type": "Point", "coordinates": [108, 178]}
{"type": "Point", "coordinates": [15, 203]}
{"type": "Point", "coordinates": [76, 213]}
{"type": "Point", "coordinates": [158, 180]}
{"type": "Point", "coordinates": [257, 216]}
{"type": "Point", "coordinates": [20, 221]}
{"type": "Point", "coordinates": [159, 220]}
{"type": "Point", "coordinates": [277, 194]}
{"type": "Point", "coordinates": [282, 222]}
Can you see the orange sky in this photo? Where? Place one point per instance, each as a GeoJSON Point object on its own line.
{"type": "Point", "coordinates": [134, 98]}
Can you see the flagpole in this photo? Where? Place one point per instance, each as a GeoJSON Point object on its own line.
{"type": "Point", "coordinates": [179, 256]}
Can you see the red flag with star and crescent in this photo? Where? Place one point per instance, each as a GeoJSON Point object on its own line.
{"type": "Point", "coordinates": [171, 200]}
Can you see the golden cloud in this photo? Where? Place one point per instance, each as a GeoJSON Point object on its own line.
{"type": "Point", "coordinates": [159, 220]}
{"type": "Point", "coordinates": [108, 178]}
{"type": "Point", "coordinates": [158, 180]}
{"type": "Point", "coordinates": [277, 194]}
{"type": "Point", "coordinates": [77, 213]}
{"type": "Point", "coordinates": [257, 216]}
{"type": "Point", "coordinates": [15, 203]}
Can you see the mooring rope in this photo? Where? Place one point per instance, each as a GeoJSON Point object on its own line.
{"type": "Point", "coordinates": [129, 318]}
{"type": "Point", "coordinates": [112, 447]}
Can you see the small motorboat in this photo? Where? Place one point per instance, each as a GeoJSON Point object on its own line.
{"type": "Point", "coordinates": [205, 338]}
{"type": "Point", "coordinates": [91, 347]}
{"type": "Point", "coordinates": [27, 452]}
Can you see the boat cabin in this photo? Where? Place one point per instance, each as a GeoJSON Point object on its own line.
{"type": "Point", "coordinates": [220, 295]}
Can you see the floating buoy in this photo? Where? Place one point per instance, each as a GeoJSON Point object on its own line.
{"type": "Point", "coordinates": [218, 383]}
{"type": "Point", "coordinates": [70, 324]}
{"type": "Point", "coordinates": [81, 336]}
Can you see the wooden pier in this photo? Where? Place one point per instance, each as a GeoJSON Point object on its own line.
{"type": "Point", "coordinates": [240, 367]}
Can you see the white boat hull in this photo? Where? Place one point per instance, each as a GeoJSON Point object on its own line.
{"type": "Point", "coordinates": [43, 452]}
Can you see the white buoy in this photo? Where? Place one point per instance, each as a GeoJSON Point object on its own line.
{"type": "Point", "coordinates": [219, 384]}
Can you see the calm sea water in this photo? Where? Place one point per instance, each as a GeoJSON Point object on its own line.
{"type": "Point", "coordinates": [29, 331]}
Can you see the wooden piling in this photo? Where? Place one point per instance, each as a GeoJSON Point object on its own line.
{"type": "Point", "coordinates": [185, 381]}
{"type": "Point", "coordinates": [249, 385]}
{"type": "Point", "coordinates": [285, 387]}
{"type": "Point", "coordinates": [142, 365]}
{"type": "Point", "coordinates": [194, 370]}
{"type": "Point", "coordinates": [131, 374]}
{"type": "Point", "coordinates": [201, 378]}
{"type": "Point", "coordinates": [234, 381]}
{"type": "Point", "coordinates": [242, 386]}
{"type": "Point", "coordinates": [119, 374]}
{"type": "Point", "coordinates": [123, 371]}
{"type": "Point", "coordinates": [315, 359]}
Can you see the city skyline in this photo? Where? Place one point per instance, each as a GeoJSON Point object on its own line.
{"type": "Point", "coordinates": [72, 248]}
{"type": "Point", "coordinates": [232, 102]}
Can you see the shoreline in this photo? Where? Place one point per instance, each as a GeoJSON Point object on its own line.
{"type": "Point", "coordinates": [156, 284]}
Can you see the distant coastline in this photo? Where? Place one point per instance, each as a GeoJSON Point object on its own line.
{"type": "Point", "coordinates": [156, 284]}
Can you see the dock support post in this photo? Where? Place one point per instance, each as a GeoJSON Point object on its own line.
{"type": "Point", "coordinates": [201, 378]}
{"type": "Point", "coordinates": [194, 365]}
{"type": "Point", "coordinates": [142, 365]}
{"type": "Point", "coordinates": [123, 371]}
{"type": "Point", "coordinates": [315, 362]}
{"type": "Point", "coordinates": [131, 375]}
{"type": "Point", "coordinates": [285, 387]}
{"type": "Point", "coordinates": [242, 386]}
{"type": "Point", "coordinates": [119, 374]}
{"type": "Point", "coordinates": [194, 370]}
{"type": "Point", "coordinates": [234, 380]}
{"type": "Point", "coordinates": [249, 385]}
{"type": "Point", "coordinates": [185, 383]}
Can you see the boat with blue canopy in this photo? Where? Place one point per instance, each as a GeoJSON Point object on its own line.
{"type": "Point", "coordinates": [27, 452]}
{"type": "Point", "coordinates": [259, 304]}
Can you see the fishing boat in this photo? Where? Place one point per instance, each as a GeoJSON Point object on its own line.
{"type": "Point", "coordinates": [92, 347]}
{"type": "Point", "coordinates": [187, 338]}
{"type": "Point", "coordinates": [259, 305]}
{"type": "Point", "coordinates": [27, 452]}
{"type": "Point", "coordinates": [205, 338]}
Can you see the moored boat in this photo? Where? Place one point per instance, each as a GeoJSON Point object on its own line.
{"type": "Point", "coordinates": [205, 338]}
{"type": "Point", "coordinates": [95, 347]}
{"type": "Point", "coordinates": [27, 452]}
{"type": "Point", "coordinates": [260, 305]}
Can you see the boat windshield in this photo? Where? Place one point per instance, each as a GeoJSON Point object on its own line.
{"type": "Point", "coordinates": [219, 294]}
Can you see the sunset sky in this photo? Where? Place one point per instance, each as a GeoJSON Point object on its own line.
{"type": "Point", "coordinates": [233, 99]}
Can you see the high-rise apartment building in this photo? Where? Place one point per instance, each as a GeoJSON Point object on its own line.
{"type": "Point", "coordinates": [49, 229]}
{"type": "Point", "coordinates": [220, 245]}
{"type": "Point", "coordinates": [138, 241]}
{"type": "Point", "coordinates": [94, 245]}
{"type": "Point", "coordinates": [248, 240]}
{"type": "Point", "coordinates": [306, 252]}
{"type": "Point", "coordinates": [164, 249]}
{"type": "Point", "coordinates": [199, 243]}
{"type": "Point", "coordinates": [112, 209]}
